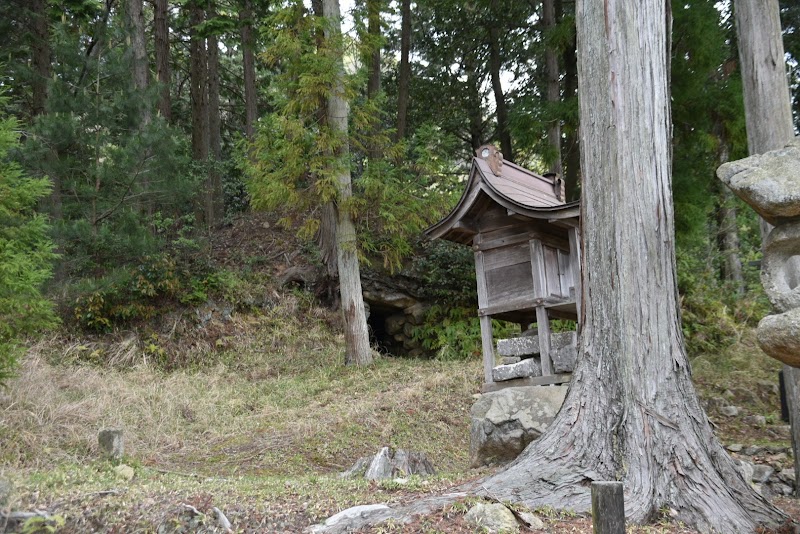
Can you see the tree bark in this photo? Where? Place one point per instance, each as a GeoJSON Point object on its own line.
{"type": "Point", "coordinates": [474, 109]}
{"type": "Point", "coordinates": [138, 51]}
{"type": "Point", "coordinates": [767, 105]}
{"type": "Point", "coordinates": [632, 413]}
{"type": "Point", "coordinates": [728, 228]}
{"type": "Point", "coordinates": [572, 158]}
{"type": "Point", "coordinates": [374, 70]}
{"type": "Point", "coordinates": [404, 75]}
{"type": "Point", "coordinates": [41, 55]}
{"type": "Point", "coordinates": [553, 85]}
{"type": "Point", "coordinates": [214, 195]}
{"type": "Point", "coordinates": [249, 68]}
{"type": "Point", "coordinates": [357, 349]}
{"type": "Point", "coordinates": [163, 72]}
{"type": "Point", "coordinates": [198, 84]}
{"type": "Point", "coordinates": [501, 108]}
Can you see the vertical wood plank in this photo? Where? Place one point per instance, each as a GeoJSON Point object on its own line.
{"type": "Point", "coordinates": [537, 269]}
{"type": "Point", "coordinates": [791, 381]}
{"type": "Point", "coordinates": [564, 273]}
{"type": "Point", "coordinates": [543, 323]}
{"type": "Point", "coordinates": [575, 266]}
{"type": "Point", "coordinates": [487, 337]}
{"type": "Point", "coordinates": [608, 508]}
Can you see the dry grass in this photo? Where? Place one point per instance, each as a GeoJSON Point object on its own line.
{"type": "Point", "coordinates": [280, 403]}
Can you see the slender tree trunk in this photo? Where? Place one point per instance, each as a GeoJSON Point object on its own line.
{"type": "Point", "coordinates": [163, 73]}
{"type": "Point", "coordinates": [214, 196]}
{"type": "Point", "coordinates": [553, 85]}
{"type": "Point", "coordinates": [631, 413]}
{"type": "Point", "coordinates": [374, 69]}
{"type": "Point", "coordinates": [474, 107]}
{"type": "Point", "coordinates": [728, 228]}
{"type": "Point", "coordinates": [767, 105]}
{"type": "Point", "coordinates": [41, 55]}
{"type": "Point", "coordinates": [495, 65]}
{"type": "Point", "coordinates": [138, 50]}
{"type": "Point", "coordinates": [404, 75]}
{"type": "Point", "coordinates": [357, 348]}
{"type": "Point", "coordinates": [572, 159]}
{"type": "Point", "coordinates": [249, 68]}
{"type": "Point", "coordinates": [198, 85]}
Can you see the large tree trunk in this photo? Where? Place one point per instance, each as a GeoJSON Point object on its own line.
{"type": "Point", "coordinates": [474, 108]}
{"type": "Point", "coordinates": [767, 105]}
{"type": "Point", "coordinates": [163, 73]}
{"type": "Point", "coordinates": [214, 196]}
{"type": "Point", "coordinates": [553, 86]}
{"type": "Point", "coordinates": [632, 413]}
{"type": "Point", "coordinates": [356, 337]}
{"type": "Point", "coordinates": [249, 68]}
{"type": "Point", "coordinates": [404, 75]}
{"type": "Point", "coordinates": [501, 108]}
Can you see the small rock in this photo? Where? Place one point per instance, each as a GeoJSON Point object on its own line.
{"type": "Point", "coordinates": [508, 360]}
{"type": "Point", "coordinates": [492, 517]}
{"type": "Point", "coordinates": [746, 469]}
{"type": "Point", "coordinates": [753, 450]}
{"type": "Point", "coordinates": [735, 447]}
{"type": "Point", "coordinates": [125, 472]}
{"type": "Point", "coordinates": [358, 469]}
{"type": "Point", "coordinates": [5, 492]}
{"type": "Point", "coordinates": [758, 421]}
{"type": "Point", "coordinates": [729, 411]}
{"type": "Point", "coordinates": [781, 489]}
{"type": "Point", "coordinates": [787, 476]}
{"type": "Point", "coordinates": [350, 513]}
{"type": "Point", "coordinates": [532, 521]}
{"type": "Point", "coordinates": [761, 473]}
{"type": "Point", "coordinates": [111, 442]}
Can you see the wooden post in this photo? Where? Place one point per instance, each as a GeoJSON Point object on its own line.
{"type": "Point", "coordinates": [487, 337]}
{"type": "Point", "coordinates": [608, 508]}
{"type": "Point", "coordinates": [791, 381]}
{"type": "Point", "coordinates": [540, 291]}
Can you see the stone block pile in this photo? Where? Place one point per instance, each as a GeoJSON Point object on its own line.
{"type": "Point", "coordinates": [521, 356]}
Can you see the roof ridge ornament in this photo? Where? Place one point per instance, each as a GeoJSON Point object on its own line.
{"type": "Point", "coordinates": [493, 157]}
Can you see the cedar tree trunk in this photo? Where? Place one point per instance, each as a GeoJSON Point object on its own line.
{"type": "Point", "coordinates": [404, 75]}
{"type": "Point", "coordinates": [163, 73]}
{"type": "Point", "coordinates": [553, 87]}
{"type": "Point", "coordinates": [357, 350]}
{"type": "Point", "coordinates": [767, 106]}
{"type": "Point", "coordinates": [632, 413]}
{"type": "Point", "coordinates": [249, 68]}
{"type": "Point", "coordinates": [495, 65]}
{"type": "Point", "coordinates": [138, 51]}
{"type": "Point", "coordinates": [214, 196]}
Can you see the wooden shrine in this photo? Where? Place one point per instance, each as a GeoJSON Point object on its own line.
{"type": "Point", "coordinates": [527, 251]}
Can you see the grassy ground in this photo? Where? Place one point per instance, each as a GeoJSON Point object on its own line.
{"type": "Point", "coordinates": [260, 426]}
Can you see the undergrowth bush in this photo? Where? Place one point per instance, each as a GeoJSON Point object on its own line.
{"type": "Point", "coordinates": [156, 283]}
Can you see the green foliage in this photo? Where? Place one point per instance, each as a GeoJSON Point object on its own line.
{"type": "Point", "coordinates": [26, 253]}
{"type": "Point", "coordinates": [43, 525]}
{"type": "Point", "coordinates": [128, 295]}
{"type": "Point", "coordinates": [294, 163]}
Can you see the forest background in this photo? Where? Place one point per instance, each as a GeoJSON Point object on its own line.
{"type": "Point", "coordinates": [134, 130]}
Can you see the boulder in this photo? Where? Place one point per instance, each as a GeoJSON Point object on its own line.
{"type": "Point", "coordinates": [493, 517]}
{"type": "Point", "coordinates": [527, 367]}
{"type": "Point", "coordinates": [779, 336]}
{"type": "Point", "coordinates": [347, 515]}
{"type": "Point", "coordinates": [761, 473]}
{"type": "Point", "coordinates": [769, 182]}
{"type": "Point", "coordinates": [780, 274]}
{"type": "Point", "coordinates": [504, 422]}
